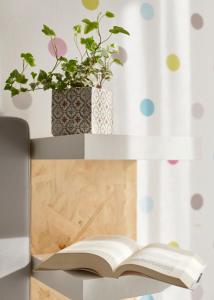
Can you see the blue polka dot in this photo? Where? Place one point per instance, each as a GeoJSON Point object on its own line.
{"type": "Point", "coordinates": [147, 204]}
{"type": "Point", "coordinates": [147, 11]}
{"type": "Point", "coordinates": [147, 297]}
{"type": "Point", "coordinates": [147, 107]}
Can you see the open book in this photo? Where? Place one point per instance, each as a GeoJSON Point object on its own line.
{"type": "Point", "coordinates": [114, 256]}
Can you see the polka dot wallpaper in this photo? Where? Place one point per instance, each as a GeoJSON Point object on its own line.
{"type": "Point", "coordinates": [57, 46]}
{"type": "Point", "coordinates": [166, 87]}
{"type": "Point", "coordinates": [147, 204]}
{"type": "Point", "coordinates": [91, 4]}
{"type": "Point", "coordinates": [147, 107]}
{"type": "Point", "coordinates": [173, 62]}
{"type": "Point", "coordinates": [147, 11]}
{"type": "Point", "coordinates": [174, 244]}
{"type": "Point", "coordinates": [197, 21]}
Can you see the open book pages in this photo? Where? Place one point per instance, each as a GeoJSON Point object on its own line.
{"type": "Point", "coordinates": [114, 249]}
{"type": "Point", "coordinates": [175, 266]}
{"type": "Point", "coordinates": [114, 256]}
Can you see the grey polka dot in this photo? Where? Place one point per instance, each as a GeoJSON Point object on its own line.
{"type": "Point", "coordinates": [22, 101]}
{"type": "Point", "coordinates": [197, 21]}
{"type": "Point", "coordinates": [197, 110]}
{"type": "Point", "coordinates": [197, 201]}
{"type": "Point", "coordinates": [122, 55]}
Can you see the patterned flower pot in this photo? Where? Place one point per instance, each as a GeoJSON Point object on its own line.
{"type": "Point", "coordinates": [82, 110]}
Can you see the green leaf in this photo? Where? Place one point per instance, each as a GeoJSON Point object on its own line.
{"type": "Point", "coordinates": [49, 85]}
{"type": "Point", "coordinates": [70, 66]}
{"type": "Point", "coordinates": [7, 87]}
{"type": "Point", "coordinates": [14, 91]}
{"type": "Point", "coordinates": [90, 27]}
{"type": "Point", "coordinates": [118, 61]}
{"type": "Point", "coordinates": [117, 29]}
{"type": "Point", "coordinates": [77, 29]}
{"type": "Point", "coordinates": [89, 43]}
{"type": "Point", "coordinates": [58, 76]}
{"type": "Point", "coordinates": [33, 85]}
{"type": "Point", "coordinates": [15, 75]}
{"type": "Point", "coordinates": [86, 21]}
{"type": "Point", "coordinates": [48, 31]}
{"type": "Point", "coordinates": [28, 58]}
{"type": "Point", "coordinates": [10, 79]}
{"type": "Point", "coordinates": [109, 14]}
{"type": "Point", "coordinates": [23, 90]}
{"type": "Point", "coordinates": [42, 75]}
{"type": "Point", "coordinates": [33, 74]}
{"type": "Point", "coordinates": [20, 78]}
{"type": "Point", "coordinates": [63, 59]}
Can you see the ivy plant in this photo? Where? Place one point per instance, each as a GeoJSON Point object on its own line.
{"type": "Point", "coordinates": [91, 68]}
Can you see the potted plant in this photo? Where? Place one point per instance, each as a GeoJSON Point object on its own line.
{"type": "Point", "coordinates": [80, 104]}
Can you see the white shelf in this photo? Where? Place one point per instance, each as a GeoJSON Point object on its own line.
{"type": "Point", "coordinates": [115, 147]}
{"type": "Point", "coordinates": [87, 286]}
{"type": "Point", "coordinates": [14, 255]}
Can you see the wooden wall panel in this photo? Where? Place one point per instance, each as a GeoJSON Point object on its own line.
{"type": "Point", "coordinates": [75, 199]}
{"type": "Point", "coordinates": [39, 291]}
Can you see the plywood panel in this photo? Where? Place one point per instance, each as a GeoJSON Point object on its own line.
{"type": "Point", "coordinates": [39, 291]}
{"type": "Point", "coordinates": [75, 199]}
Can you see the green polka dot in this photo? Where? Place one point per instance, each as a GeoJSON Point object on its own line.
{"type": "Point", "coordinates": [91, 4]}
{"type": "Point", "coordinates": [173, 62]}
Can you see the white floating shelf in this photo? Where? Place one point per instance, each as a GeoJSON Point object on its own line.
{"type": "Point", "coordinates": [14, 255]}
{"type": "Point", "coordinates": [87, 286]}
{"type": "Point", "coordinates": [115, 147]}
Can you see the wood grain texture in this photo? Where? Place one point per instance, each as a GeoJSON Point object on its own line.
{"type": "Point", "coordinates": [72, 200]}
{"type": "Point", "coordinates": [40, 291]}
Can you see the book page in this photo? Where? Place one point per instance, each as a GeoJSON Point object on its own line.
{"type": "Point", "coordinates": [114, 249]}
{"type": "Point", "coordinates": [166, 260]}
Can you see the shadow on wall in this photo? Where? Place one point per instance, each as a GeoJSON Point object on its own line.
{"type": "Point", "coordinates": [20, 283]}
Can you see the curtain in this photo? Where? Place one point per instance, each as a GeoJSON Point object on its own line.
{"type": "Point", "coordinates": [163, 186]}
{"type": "Point", "coordinates": [175, 197]}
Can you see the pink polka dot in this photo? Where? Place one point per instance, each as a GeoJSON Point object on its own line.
{"type": "Point", "coordinates": [197, 201]}
{"type": "Point", "coordinates": [61, 47]}
{"type": "Point", "coordinates": [173, 162]}
{"type": "Point", "coordinates": [197, 110]}
{"type": "Point", "coordinates": [197, 21]}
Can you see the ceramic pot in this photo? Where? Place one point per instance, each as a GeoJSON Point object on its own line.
{"type": "Point", "coordinates": [80, 110]}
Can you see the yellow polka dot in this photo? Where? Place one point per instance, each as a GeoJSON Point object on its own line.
{"type": "Point", "coordinates": [174, 244]}
{"type": "Point", "coordinates": [90, 4]}
{"type": "Point", "coordinates": [173, 62]}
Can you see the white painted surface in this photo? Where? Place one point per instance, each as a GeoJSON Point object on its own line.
{"type": "Point", "coordinates": [86, 286]}
{"type": "Point", "coordinates": [14, 255]}
{"type": "Point", "coordinates": [115, 147]}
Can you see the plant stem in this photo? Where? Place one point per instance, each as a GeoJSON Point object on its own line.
{"type": "Point", "coordinates": [54, 47]}
{"type": "Point", "coordinates": [55, 66]}
{"type": "Point", "coordinates": [78, 48]}
{"type": "Point", "coordinates": [106, 39]}
{"type": "Point", "coordinates": [24, 66]}
{"type": "Point", "coordinates": [56, 56]}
